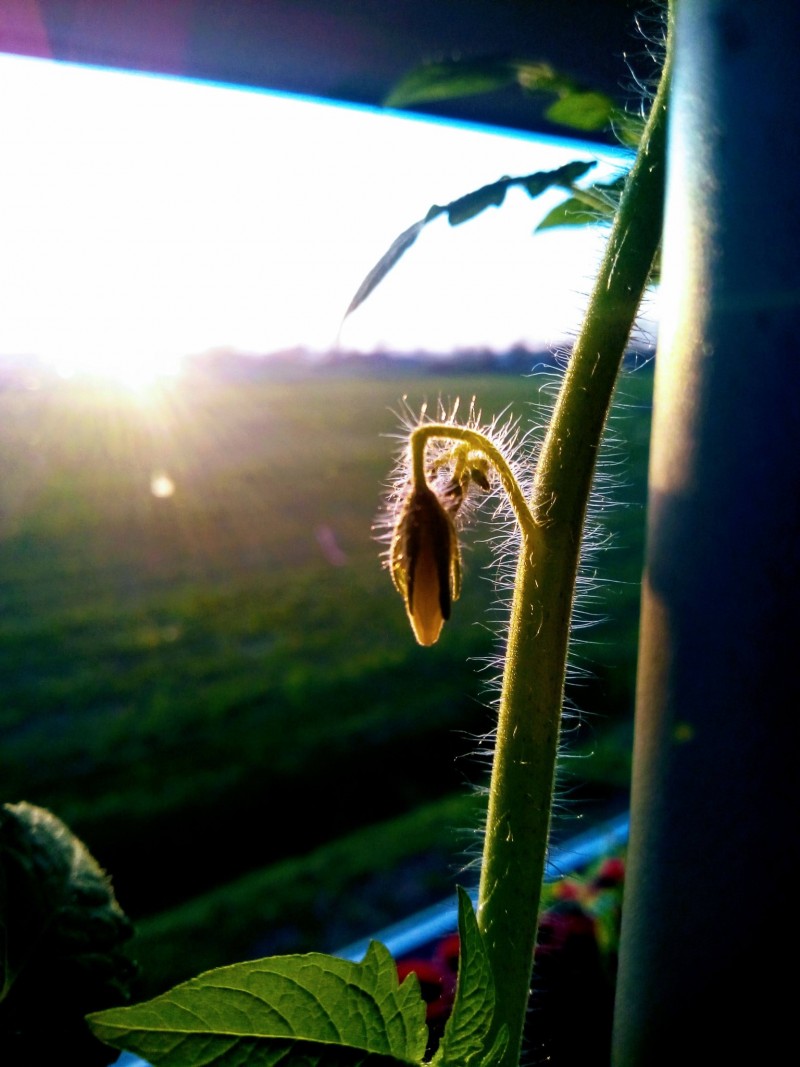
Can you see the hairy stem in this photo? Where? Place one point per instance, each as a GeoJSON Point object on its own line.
{"type": "Point", "coordinates": [523, 772]}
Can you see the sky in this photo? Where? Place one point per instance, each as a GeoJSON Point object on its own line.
{"type": "Point", "coordinates": [146, 218]}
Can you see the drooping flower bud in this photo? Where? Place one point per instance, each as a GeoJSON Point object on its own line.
{"type": "Point", "coordinates": [425, 562]}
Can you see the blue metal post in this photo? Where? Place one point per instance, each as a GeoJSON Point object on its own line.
{"type": "Point", "coordinates": [710, 914]}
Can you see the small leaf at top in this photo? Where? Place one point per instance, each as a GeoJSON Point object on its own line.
{"type": "Point", "coordinates": [569, 212]}
{"type": "Point", "coordinates": [582, 111]}
{"type": "Point", "coordinates": [299, 1010]}
{"type": "Point", "coordinates": [449, 79]}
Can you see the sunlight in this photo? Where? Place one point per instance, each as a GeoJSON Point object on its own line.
{"type": "Point", "coordinates": [161, 485]}
{"type": "Point", "coordinates": [136, 367]}
{"type": "Point", "coordinates": [146, 219]}
{"type": "Point", "coordinates": [134, 373]}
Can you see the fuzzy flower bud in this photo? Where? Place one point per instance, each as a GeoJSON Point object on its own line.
{"type": "Point", "coordinates": [425, 562]}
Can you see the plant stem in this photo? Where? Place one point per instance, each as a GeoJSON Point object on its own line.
{"type": "Point", "coordinates": [523, 772]}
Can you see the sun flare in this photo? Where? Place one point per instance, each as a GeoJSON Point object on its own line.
{"type": "Point", "coordinates": [135, 371]}
{"type": "Point", "coordinates": [145, 217]}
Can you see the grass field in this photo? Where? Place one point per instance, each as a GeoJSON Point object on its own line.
{"type": "Point", "coordinates": [224, 677]}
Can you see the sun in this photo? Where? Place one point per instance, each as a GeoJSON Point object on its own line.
{"type": "Point", "coordinates": [135, 369]}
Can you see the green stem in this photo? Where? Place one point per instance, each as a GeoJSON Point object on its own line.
{"type": "Point", "coordinates": [523, 772]}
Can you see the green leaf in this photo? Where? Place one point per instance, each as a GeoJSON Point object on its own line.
{"type": "Point", "coordinates": [628, 128]}
{"type": "Point", "coordinates": [569, 212]}
{"type": "Point", "coordinates": [467, 1029]}
{"type": "Point", "coordinates": [467, 207]}
{"type": "Point", "coordinates": [62, 934]}
{"type": "Point", "coordinates": [565, 176]}
{"type": "Point", "coordinates": [588, 206]}
{"type": "Point", "coordinates": [582, 111]}
{"type": "Point", "coordinates": [449, 79]}
{"type": "Point", "coordinates": [303, 1009]}
{"type": "Point", "coordinates": [575, 106]}
{"type": "Point", "coordinates": [399, 246]}
{"type": "Point", "coordinates": [464, 208]}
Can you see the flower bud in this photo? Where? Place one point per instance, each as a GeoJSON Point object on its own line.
{"type": "Point", "coordinates": [425, 562]}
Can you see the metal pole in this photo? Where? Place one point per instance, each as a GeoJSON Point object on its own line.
{"type": "Point", "coordinates": [710, 917]}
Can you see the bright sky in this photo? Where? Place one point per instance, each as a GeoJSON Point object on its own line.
{"type": "Point", "coordinates": [145, 218]}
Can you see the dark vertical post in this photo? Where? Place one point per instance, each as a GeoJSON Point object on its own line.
{"type": "Point", "coordinates": [712, 906]}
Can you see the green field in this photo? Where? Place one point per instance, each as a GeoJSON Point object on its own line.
{"type": "Point", "coordinates": [205, 684]}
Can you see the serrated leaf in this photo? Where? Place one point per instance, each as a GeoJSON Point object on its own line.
{"type": "Point", "coordinates": [582, 111]}
{"type": "Point", "coordinates": [302, 1009]}
{"type": "Point", "coordinates": [467, 207]}
{"type": "Point", "coordinates": [464, 208]}
{"type": "Point", "coordinates": [564, 176]}
{"type": "Point", "coordinates": [467, 1029]}
{"type": "Point", "coordinates": [449, 79]}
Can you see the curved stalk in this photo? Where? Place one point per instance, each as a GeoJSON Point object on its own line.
{"type": "Point", "coordinates": [480, 443]}
{"type": "Point", "coordinates": [523, 772]}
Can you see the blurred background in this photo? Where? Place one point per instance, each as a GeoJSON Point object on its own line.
{"type": "Point", "coordinates": [206, 671]}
